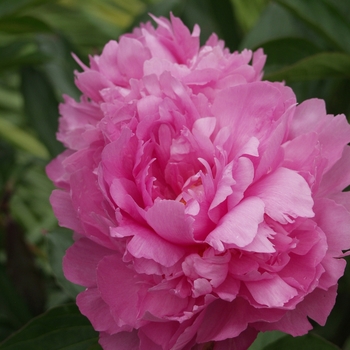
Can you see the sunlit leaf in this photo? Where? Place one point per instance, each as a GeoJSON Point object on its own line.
{"type": "Point", "coordinates": [157, 8]}
{"type": "Point", "coordinates": [76, 27]}
{"type": "Point", "coordinates": [22, 139]}
{"type": "Point", "coordinates": [247, 12]}
{"type": "Point", "coordinates": [62, 327]}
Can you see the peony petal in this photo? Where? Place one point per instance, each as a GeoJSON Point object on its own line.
{"type": "Point", "coordinates": [334, 220]}
{"type": "Point", "coordinates": [97, 311]}
{"type": "Point", "coordinates": [130, 64]}
{"type": "Point", "coordinates": [239, 226]}
{"type": "Point", "coordinates": [338, 177]}
{"type": "Point", "coordinates": [242, 342]}
{"type": "Point", "coordinates": [286, 195]}
{"type": "Point", "coordinates": [162, 304]}
{"type": "Point", "coordinates": [120, 288]}
{"type": "Point", "coordinates": [307, 117]}
{"type": "Point", "coordinates": [120, 341]}
{"type": "Point", "coordinates": [81, 260]}
{"type": "Point", "coordinates": [222, 321]}
{"type": "Point", "coordinates": [263, 241]}
{"type": "Point", "coordinates": [271, 292]}
{"type": "Point", "coordinates": [334, 132]}
{"type": "Point", "coordinates": [146, 244]}
{"type": "Point", "coordinates": [63, 208]}
{"type": "Point", "coordinates": [168, 219]}
{"type": "Point", "coordinates": [312, 302]}
{"type": "Point", "coordinates": [57, 173]}
{"type": "Point", "coordinates": [245, 109]}
{"type": "Point", "coordinates": [243, 174]}
{"type": "Point", "coordinates": [91, 83]}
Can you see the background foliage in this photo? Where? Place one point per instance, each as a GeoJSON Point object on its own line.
{"type": "Point", "coordinates": [308, 46]}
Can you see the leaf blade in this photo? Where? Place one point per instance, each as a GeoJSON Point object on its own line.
{"type": "Point", "coordinates": [308, 341]}
{"type": "Point", "coordinates": [319, 66]}
{"type": "Point", "coordinates": [333, 27]}
{"type": "Point", "coordinates": [62, 327]}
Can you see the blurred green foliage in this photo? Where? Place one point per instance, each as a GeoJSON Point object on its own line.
{"type": "Point", "coordinates": [308, 46]}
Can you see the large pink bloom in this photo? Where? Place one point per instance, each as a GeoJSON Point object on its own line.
{"type": "Point", "coordinates": [206, 204]}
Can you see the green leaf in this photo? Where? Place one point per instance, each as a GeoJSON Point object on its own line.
{"type": "Point", "coordinates": [309, 341]}
{"type": "Point", "coordinates": [41, 107]}
{"type": "Point", "coordinates": [22, 139]}
{"type": "Point", "coordinates": [7, 164]}
{"type": "Point", "coordinates": [157, 8]}
{"type": "Point", "coordinates": [229, 31]}
{"type": "Point", "coordinates": [324, 18]}
{"type": "Point", "coordinates": [286, 51]}
{"type": "Point", "coordinates": [248, 12]}
{"type": "Point", "coordinates": [23, 25]}
{"type": "Point", "coordinates": [13, 310]}
{"type": "Point", "coordinates": [265, 338]}
{"type": "Point", "coordinates": [61, 66]}
{"type": "Point", "coordinates": [319, 66]}
{"type": "Point", "coordinates": [347, 344]}
{"type": "Point", "coordinates": [62, 327]}
{"type": "Point", "coordinates": [18, 53]}
{"type": "Point", "coordinates": [212, 17]}
{"type": "Point", "coordinates": [273, 17]}
{"type": "Point", "coordinates": [58, 242]}
{"type": "Point", "coordinates": [9, 7]}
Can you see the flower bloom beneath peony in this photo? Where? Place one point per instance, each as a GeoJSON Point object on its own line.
{"type": "Point", "coordinates": [206, 204]}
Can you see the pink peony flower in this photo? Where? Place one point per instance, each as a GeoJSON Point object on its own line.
{"type": "Point", "coordinates": [206, 204]}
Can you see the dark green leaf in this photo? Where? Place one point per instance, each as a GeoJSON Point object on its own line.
{"type": "Point", "coordinates": [212, 17]}
{"type": "Point", "coordinates": [62, 327]}
{"type": "Point", "coordinates": [265, 338]}
{"type": "Point", "coordinates": [319, 66]}
{"type": "Point", "coordinates": [288, 50]}
{"type": "Point", "coordinates": [41, 107]}
{"type": "Point", "coordinates": [308, 341]}
{"type": "Point", "coordinates": [13, 310]}
{"type": "Point", "coordinates": [22, 52]}
{"type": "Point", "coordinates": [20, 261]}
{"type": "Point", "coordinates": [229, 31]}
{"type": "Point", "coordinates": [25, 24]}
{"type": "Point", "coordinates": [324, 18]}
{"type": "Point", "coordinates": [59, 242]}
{"type": "Point", "coordinates": [342, 6]}
{"type": "Point", "coordinates": [7, 163]}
